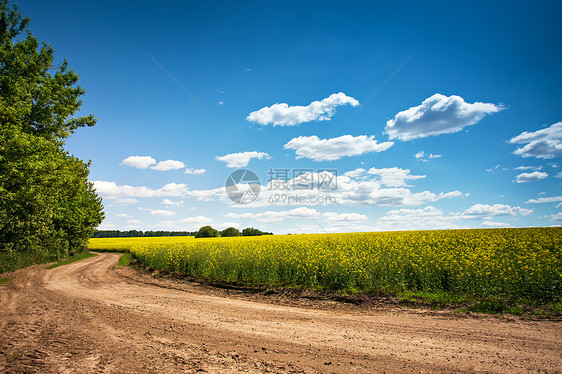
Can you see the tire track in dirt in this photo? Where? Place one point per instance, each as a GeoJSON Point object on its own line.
{"type": "Point", "coordinates": [89, 316]}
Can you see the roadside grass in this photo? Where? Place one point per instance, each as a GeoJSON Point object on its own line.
{"type": "Point", "coordinates": [125, 259]}
{"type": "Point", "coordinates": [4, 280]}
{"type": "Point", "coordinates": [71, 259]}
{"type": "Point", "coordinates": [17, 260]}
{"type": "Point", "coordinates": [436, 300]}
{"type": "Point", "coordinates": [485, 305]}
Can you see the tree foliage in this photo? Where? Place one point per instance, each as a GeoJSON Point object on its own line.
{"type": "Point", "coordinates": [139, 233]}
{"type": "Point", "coordinates": [207, 232]}
{"type": "Point", "coordinates": [230, 231]}
{"type": "Point", "coordinates": [250, 231]}
{"type": "Point", "coordinates": [46, 202]}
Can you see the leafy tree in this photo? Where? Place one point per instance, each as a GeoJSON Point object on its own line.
{"type": "Point", "coordinates": [46, 202]}
{"type": "Point", "coordinates": [250, 231]}
{"type": "Point", "coordinates": [207, 232]}
{"type": "Point", "coordinates": [231, 231]}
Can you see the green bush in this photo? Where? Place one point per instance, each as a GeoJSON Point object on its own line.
{"type": "Point", "coordinates": [207, 232]}
{"type": "Point", "coordinates": [231, 231]}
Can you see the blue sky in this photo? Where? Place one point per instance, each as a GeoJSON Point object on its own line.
{"type": "Point", "coordinates": [428, 115]}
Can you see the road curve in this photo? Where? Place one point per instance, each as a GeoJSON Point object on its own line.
{"type": "Point", "coordinates": [93, 316]}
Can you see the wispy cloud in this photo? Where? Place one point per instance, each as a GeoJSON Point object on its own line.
{"type": "Point", "coordinates": [162, 212]}
{"type": "Point", "coordinates": [238, 160]}
{"type": "Point", "coordinates": [422, 156]}
{"type": "Point", "coordinates": [111, 190]}
{"type": "Point", "coordinates": [194, 171]}
{"type": "Point", "coordinates": [172, 203]}
{"type": "Point", "coordinates": [486, 210]}
{"type": "Point", "coordinates": [551, 199]}
{"type": "Point", "coordinates": [544, 143]}
{"type": "Point", "coordinates": [281, 114]}
{"type": "Point", "coordinates": [276, 216]}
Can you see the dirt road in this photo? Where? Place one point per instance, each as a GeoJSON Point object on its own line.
{"type": "Point", "coordinates": [92, 316]}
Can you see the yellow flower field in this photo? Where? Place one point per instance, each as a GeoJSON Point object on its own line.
{"type": "Point", "coordinates": [514, 263]}
{"type": "Point", "coordinates": [125, 244]}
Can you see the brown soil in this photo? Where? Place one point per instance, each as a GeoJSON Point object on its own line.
{"type": "Point", "coordinates": [93, 316]}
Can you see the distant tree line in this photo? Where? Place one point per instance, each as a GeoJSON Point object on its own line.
{"type": "Point", "coordinates": [203, 232]}
{"type": "Point", "coordinates": [209, 232]}
{"type": "Point", "coordinates": [138, 233]}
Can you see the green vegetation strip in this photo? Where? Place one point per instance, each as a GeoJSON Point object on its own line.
{"type": "Point", "coordinates": [4, 280]}
{"type": "Point", "coordinates": [69, 260]}
{"type": "Point", "coordinates": [125, 259]}
{"type": "Point", "coordinates": [17, 260]}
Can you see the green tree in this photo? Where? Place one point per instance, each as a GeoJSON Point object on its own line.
{"type": "Point", "coordinates": [250, 231]}
{"type": "Point", "coordinates": [207, 232]}
{"type": "Point", "coordinates": [46, 202]}
{"type": "Point", "coordinates": [231, 231]}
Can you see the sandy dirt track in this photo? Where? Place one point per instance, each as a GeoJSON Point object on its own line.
{"type": "Point", "coordinates": [92, 316]}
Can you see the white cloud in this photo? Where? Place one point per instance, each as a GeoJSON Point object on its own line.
{"type": "Point", "coordinates": [498, 225]}
{"type": "Point", "coordinates": [318, 149]}
{"type": "Point", "coordinates": [276, 216]}
{"type": "Point", "coordinates": [238, 160]}
{"type": "Point", "coordinates": [416, 219]}
{"type": "Point", "coordinates": [344, 217]}
{"type": "Point", "coordinates": [171, 203]}
{"type": "Point", "coordinates": [134, 222]}
{"type": "Point", "coordinates": [553, 199]}
{"type": "Point", "coordinates": [433, 218]}
{"type": "Point", "coordinates": [194, 171]}
{"type": "Point", "coordinates": [485, 210]}
{"type": "Point", "coordinates": [124, 215]}
{"type": "Point", "coordinates": [357, 173]}
{"type": "Point", "coordinates": [544, 143]}
{"type": "Point", "coordinates": [530, 177]}
{"type": "Point", "coordinates": [394, 177]}
{"type": "Point", "coordinates": [162, 212]}
{"type": "Point", "coordinates": [106, 225]}
{"type": "Point", "coordinates": [221, 102]}
{"type": "Point", "coordinates": [185, 224]}
{"type": "Point", "coordinates": [168, 165]}
{"type": "Point", "coordinates": [421, 155]}
{"type": "Point", "coordinates": [556, 217]}
{"type": "Point", "coordinates": [353, 188]}
{"type": "Point", "coordinates": [281, 114]}
{"type": "Point", "coordinates": [559, 175]}
{"type": "Point", "coordinates": [110, 190]}
{"type": "Point", "coordinates": [437, 115]}
{"type": "Point", "coordinates": [125, 201]}
{"type": "Point", "coordinates": [202, 220]}
{"type": "Point", "coordinates": [528, 168]}
{"type": "Point", "coordinates": [495, 168]}
{"type": "Point", "coordinates": [139, 162]}
{"type": "Point", "coordinates": [144, 162]}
